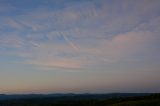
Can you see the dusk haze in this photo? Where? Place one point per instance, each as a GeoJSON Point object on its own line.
{"type": "Point", "coordinates": [79, 46]}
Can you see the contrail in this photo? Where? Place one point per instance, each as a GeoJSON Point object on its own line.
{"type": "Point", "coordinates": [70, 43]}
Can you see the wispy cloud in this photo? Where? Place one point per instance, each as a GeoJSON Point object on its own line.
{"type": "Point", "coordinates": [91, 32]}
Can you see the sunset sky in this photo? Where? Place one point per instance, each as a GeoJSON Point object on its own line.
{"type": "Point", "coordinates": [79, 46]}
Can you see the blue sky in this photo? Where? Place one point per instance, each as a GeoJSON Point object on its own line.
{"type": "Point", "coordinates": [80, 46]}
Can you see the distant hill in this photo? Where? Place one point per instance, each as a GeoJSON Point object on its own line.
{"type": "Point", "coordinates": [70, 95]}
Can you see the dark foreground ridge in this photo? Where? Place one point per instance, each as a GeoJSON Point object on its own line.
{"type": "Point", "coordinates": [114, 99]}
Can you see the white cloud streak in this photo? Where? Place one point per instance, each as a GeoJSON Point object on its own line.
{"type": "Point", "coordinates": [70, 43]}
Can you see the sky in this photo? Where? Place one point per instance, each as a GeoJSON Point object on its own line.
{"type": "Point", "coordinates": [79, 46]}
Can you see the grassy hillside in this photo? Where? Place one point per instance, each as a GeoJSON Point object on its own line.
{"type": "Point", "coordinates": [155, 102]}
{"type": "Point", "coordinates": [152, 100]}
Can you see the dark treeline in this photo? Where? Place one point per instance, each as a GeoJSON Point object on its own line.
{"type": "Point", "coordinates": [86, 100]}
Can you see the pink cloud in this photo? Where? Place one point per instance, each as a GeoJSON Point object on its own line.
{"type": "Point", "coordinates": [57, 63]}
{"type": "Point", "coordinates": [120, 47]}
{"type": "Point", "coordinates": [132, 39]}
